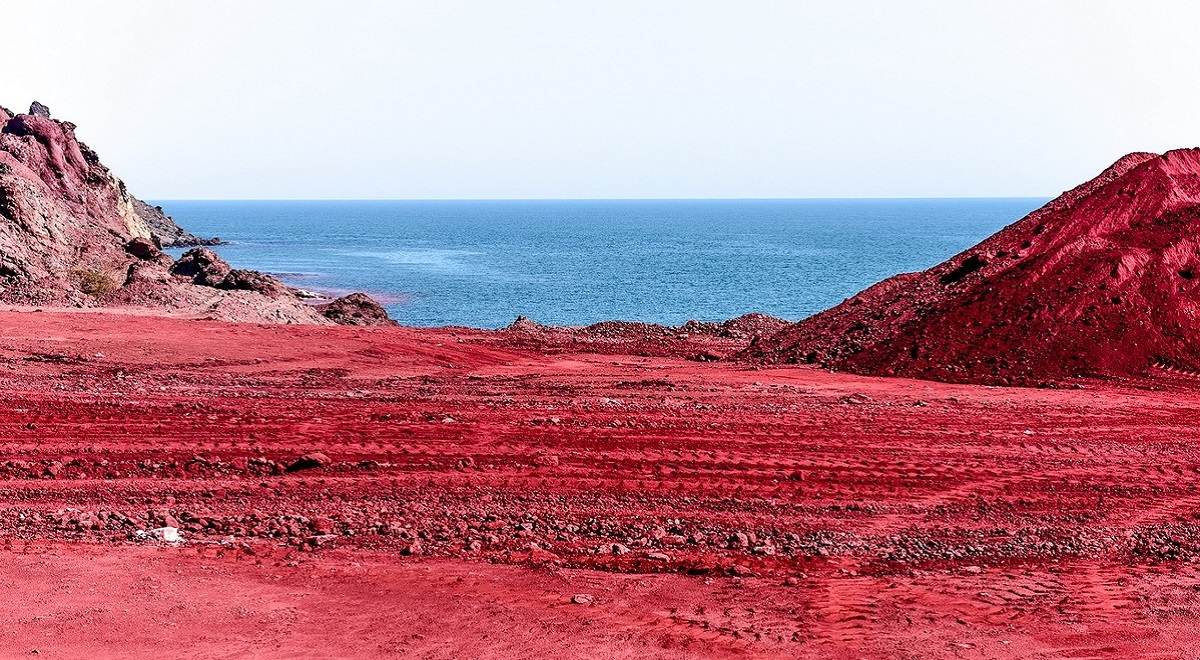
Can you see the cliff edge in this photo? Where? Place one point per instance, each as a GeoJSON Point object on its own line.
{"type": "Point", "coordinates": [72, 235]}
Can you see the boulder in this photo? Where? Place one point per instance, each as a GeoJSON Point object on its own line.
{"type": "Point", "coordinates": [356, 309]}
{"type": "Point", "coordinates": [309, 462]}
{"type": "Point", "coordinates": [202, 266]}
{"type": "Point", "coordinates": [146, 250]}
{"type": "Point", "coordinates": [143, 248]}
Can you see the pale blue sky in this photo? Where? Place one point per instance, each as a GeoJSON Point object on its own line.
{"type": "Point", "coordinates": [445, 99]}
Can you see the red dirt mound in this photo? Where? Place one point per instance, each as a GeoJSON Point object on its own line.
{"type": "Point", "coordinates": [1102, 281]}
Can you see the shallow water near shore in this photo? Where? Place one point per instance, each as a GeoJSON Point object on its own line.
{"type": "Point", "coordinates": [481, 263]}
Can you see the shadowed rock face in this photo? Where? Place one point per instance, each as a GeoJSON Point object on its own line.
{"type": "Point", "coordinates": [71, 234]}
{"type": "Point", "coordinates": [146, 250]}
{"type": "Point", "coordinates": [1104, 280]}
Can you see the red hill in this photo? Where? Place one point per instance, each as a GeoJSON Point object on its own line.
{"type": "Point", "coordinates": [1102, 281]}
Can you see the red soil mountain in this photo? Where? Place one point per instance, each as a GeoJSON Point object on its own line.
{"type": "Point", "coordinates": [72, 235]}
{"type": "Point", "coordinates": [1102, 281]}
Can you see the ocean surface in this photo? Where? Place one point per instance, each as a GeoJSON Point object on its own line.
{"type": "Point", "coordinates": [481, 263]}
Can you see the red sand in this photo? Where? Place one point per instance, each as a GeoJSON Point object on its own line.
{"type": "Point", "coordinates": [473, 484]}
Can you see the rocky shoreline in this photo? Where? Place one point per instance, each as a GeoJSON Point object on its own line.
{"type": "Point", "coordinates": [74, 236]}
{"type": "Point", "coordinates": [167, 232]}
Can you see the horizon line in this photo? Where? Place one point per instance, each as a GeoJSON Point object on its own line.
{"type": "Point", "coordinates": [589, 199]}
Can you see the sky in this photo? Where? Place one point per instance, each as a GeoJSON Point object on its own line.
{"type": "Point", "coordinates": [444, 99]}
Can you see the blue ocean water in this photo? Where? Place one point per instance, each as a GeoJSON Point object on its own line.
{"type": "Point", "coordinates": [481, 263]}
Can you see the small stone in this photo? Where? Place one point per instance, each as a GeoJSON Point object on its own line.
{"type": "Point", "coordinates": [582, 599]}
{"type": "Point", "coordinates": [166, 535]}
{"type": "Point", "coordinates": [658, 556]}
{"type": "Point", "coordinates": [411, 549]}
{"type": "Point", "coordinates": [322, 525]}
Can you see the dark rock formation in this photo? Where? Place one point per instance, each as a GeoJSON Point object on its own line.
{"type": "Point", "coordinates": [356, 309]}
{"type": "Point", "coordinates": [146, 250]}
{"type": "Point", "coordinates": [202, 266]}
{"type": "Point", "coordinates": [253, 280]}
{"type": "Point", "coordinates": [163, 227]}
{"type": "Point", "coordinates": [524, 324]}
{"type": "Point", "coordinates": [143, 248]}
{"type": "Point", "coordinates": [310, 461]}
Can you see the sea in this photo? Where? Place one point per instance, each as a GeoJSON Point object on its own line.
{"type": "Point", "coordinates": [482, 263]}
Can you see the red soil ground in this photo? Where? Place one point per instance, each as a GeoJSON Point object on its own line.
{"type": "Point", "coordinates": [475, 484]}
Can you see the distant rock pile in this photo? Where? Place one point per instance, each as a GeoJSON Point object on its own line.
{"type": "Point", "coordinates": [72, 235]}
{"type": "Point", "coordinates": [1102, 281]}
{"type": "Point", "coordinates": [701, 341]}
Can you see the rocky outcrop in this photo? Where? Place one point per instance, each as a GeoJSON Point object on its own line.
{"type": "Point", "coordinates": [1102, 281]}
{"type": "Point", "coordinates": [72, 235]}
{"type": "Point", "coordinates": [201, 266]}
{"type": "Point", "coordinates": [252, 280]}
{"type": "Point", "coordinates": [166, 231]}
{"type": "Point", "coordinates": [355, 309]}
